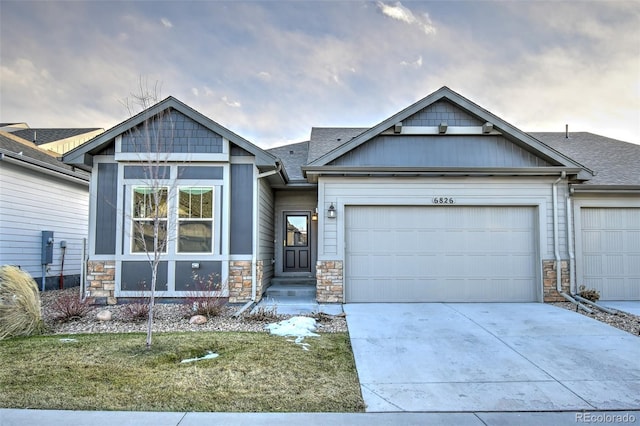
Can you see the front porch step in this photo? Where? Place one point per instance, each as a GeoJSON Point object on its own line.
{"type": "Point", "coordinates": [279, 291]}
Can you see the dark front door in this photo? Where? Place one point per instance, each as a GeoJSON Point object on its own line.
{"type": "Point", "coordinates": [297, 248]}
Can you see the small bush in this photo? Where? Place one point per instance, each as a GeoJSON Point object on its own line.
{"type": "Point", "coordinates": [136, 311]}
{"type": "Point", "coordinates": [69, 307]}
{"type": "Point", "coordinates": [20, 313]}
{"type": "Point", "coordinates": [589, 294]}
{"type": "Point", "coordinates": [205, 299]}
{"type": "Point", "coordinates": [263, 314]}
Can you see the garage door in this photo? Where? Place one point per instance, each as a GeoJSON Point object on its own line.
{"type": "Point", "coordinates": [440, 254]}
{"type": "Point", "coordinates": [611, 252]}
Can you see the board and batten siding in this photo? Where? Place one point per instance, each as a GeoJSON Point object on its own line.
{"type": "Point", "coordinates": [266, 228]}
{"type": "Point", "coordinates": [420, 191]}
{"type": "Point", "coordinates": [30, 203]}
{"type": "Point", "coordinates": [241, 219]}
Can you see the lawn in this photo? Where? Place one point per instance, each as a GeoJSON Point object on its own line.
{"type": "Point", "coordinates": [255, 372]}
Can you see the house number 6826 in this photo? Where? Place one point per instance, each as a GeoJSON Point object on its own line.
{"type": "Point", "coordinates": [442, 200]}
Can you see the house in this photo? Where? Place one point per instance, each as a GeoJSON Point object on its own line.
{"type": "Point", "coordinates": [58, 140]}
{"type": "Point", "coordinates": [443, 201]}
{"type": "Point", "coordinates": [44, 208]}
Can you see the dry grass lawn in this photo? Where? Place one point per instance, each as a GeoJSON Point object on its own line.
{"type": "Point", "coordinates": [255, 372]}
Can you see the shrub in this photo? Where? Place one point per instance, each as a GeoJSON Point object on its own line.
{"type": "Point", "coordinates": [20, 313]}
{"type": "Point", "coordinates": [69, 307]}
{"type": "Point", "coordinates": [136, 311]}
{"type": "Point", "coordinates": [205, 299]}
{"type": "Point", "coordinates": [263, 314]}
{"type": "Point", "coordinates": [589, 294]}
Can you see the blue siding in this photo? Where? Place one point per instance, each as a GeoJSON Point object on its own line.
{"type": "Point", "coordinates": [441, 111]}
{"type": "Point", "coordinates": [440, 151]}
{"type": "Point", "coordinates": [241, 238]}
{"type": "Point", "coordinates": [236, 151]}
{"type": "Point", "coordinates": [147, 172]}
{"type": "Point", "coordinates": [200, 172]}
{"type": "Point", "coordinates": [173, 132]}
{"type": "Point", "coordinates": [189, 279]}
{"type": "Point", "coordinates": [106, 208]}
{"type": "Point", "coordinates": [136, 276]}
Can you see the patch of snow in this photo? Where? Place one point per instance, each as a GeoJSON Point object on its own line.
{"type": "Point", "coordinates": [209, 355]}
{"type": "Point", "coordinates": [298, 327]}
{"type": "Point", "coordinates": [68, 340]}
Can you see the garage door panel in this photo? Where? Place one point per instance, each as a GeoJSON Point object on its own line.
{"type": "Point", "coordinates": [451, 253]}
{"type": "Point", "coordinates": [610, 252]}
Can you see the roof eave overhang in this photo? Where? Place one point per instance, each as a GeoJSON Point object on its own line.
{"type": "Point", "coordinates": [32, 163]}
{"type": "Point", "coordinates": [605, 189]}
{"type": "Point", "coordinates": [313, 173]}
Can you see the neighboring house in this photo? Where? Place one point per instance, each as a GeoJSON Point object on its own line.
{"type": "Point", "coordinates": [58, 140]}
{"type": "Point", "coordinates": [40, 193]}
{"type": "Point", "coordinates": [443, 201]}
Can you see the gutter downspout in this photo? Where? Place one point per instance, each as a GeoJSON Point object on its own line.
{"type": "Point", "coordinates": [554, 191]}
{"type": "Point", "coordinates": [254, 256]}
{"type": "Point", "coordinates": [572, 257]}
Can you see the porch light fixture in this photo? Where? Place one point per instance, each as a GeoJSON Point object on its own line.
{"type": "Point", "coordinates": [314, 215]}
{"type": "Point", "coordinates": [331, 213]}
{"type": "Point", "coordinates": [442, 127]}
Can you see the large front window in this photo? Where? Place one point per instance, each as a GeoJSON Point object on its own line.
{"type": "Point", "coordinates": [195, 220]}
{"type": "Point", "coordinates": [149, 219]}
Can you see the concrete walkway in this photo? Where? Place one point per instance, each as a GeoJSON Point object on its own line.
{"type": "Point", "coordinates": [631, 307]}
{"type": "Point", "coordinates": [92, 418]}
{"type": "Point", "coordinates": [495, 357]}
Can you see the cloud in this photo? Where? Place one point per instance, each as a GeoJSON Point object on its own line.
{"type": "Point", "coordinates": [195, 91]}
{"type": "Point", "coordinates": [416, 64]}
{"type": "Point", "coordinates": [264, 75]}
{"type": "Point", "coordinates": [232, 104]}
{"type": "Point", "coordinates": [167, 23]}
{"type": "Point", "coordinates": [403, 14]}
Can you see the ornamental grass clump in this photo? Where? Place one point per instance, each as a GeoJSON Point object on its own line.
{"type": "Point", "coordinates": [20, 313]}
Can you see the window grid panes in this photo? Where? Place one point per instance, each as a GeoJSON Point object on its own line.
{"type": "Point", "coordinates": [195, 219]}
{"type": "Point", "coordinates": [149, 205]}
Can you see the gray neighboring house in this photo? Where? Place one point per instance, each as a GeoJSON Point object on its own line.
{"type": "Point", "coordinates": [40, 193]}
{"type": "Point", "coordinates": [442, 202]}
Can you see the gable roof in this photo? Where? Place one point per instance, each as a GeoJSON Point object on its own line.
{"type": "Point", "coordinates": [24, 153]}
{"type": "Point", "coordinates": [83, 155]}
{"type": "Point", "coordinates": [615, 162]}
{"type": "Point", "coordinates": [507, 130]}
{"type": "Point", "coordinates": [41, 136]}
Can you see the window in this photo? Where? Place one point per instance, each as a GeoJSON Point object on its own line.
{"type": "Point", "coordinates": [149, 206]}
{"type": "Point", "coordinates": [195, 220]}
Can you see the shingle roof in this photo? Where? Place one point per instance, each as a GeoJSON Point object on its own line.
{"type": "Point", "coordinates": [293, 157]}
{"type": "Point", "coordinates": [28, 152]}
{"type": "Point", "coordinates": [43, 136]}
{"type": "Point", "coordinates": [615, 162]}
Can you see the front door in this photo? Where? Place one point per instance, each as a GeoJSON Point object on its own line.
{"type": "Point", "coordinates": [297, 248]}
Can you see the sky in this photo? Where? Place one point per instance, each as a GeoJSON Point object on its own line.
{"type": "Point", "coordinates": [271, 70]}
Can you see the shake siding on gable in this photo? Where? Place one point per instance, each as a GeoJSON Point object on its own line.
{"type": "Point", "coordinates": [31, 203]}
{"type": "Point", "coordinates": [420, 191]}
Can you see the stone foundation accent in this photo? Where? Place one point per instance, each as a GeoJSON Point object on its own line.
{"type": "Point", "coordinates": [329, 281]}
{"type": "Point", "coordinates": [101, 282]}
{"type": "Point", "coordinates": [260, 284]}
{"type": "Point", "coordinates": [549, 280]}
{"type": "Point", "coordinates": [239, 281]}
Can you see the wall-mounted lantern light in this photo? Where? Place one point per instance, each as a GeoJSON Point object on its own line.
{"type": "Point", "coordinates": [331, 213]}
{"type": "Point", "coordinates": [314, 215]}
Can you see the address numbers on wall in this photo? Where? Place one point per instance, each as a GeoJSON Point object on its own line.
{"type": "Point", "coordinates": [443, 200]}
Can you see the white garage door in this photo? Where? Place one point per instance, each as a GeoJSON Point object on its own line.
{"type": "Point", "coordinates": [440, 254]}
{"type": "Point", "coordinates": [611, 252]}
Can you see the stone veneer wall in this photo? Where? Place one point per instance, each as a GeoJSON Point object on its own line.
{"type": "Point", "coordinates": [239, 281]}
{"type": "Point", "coordinates": [260, 280]}
{"type": "Point", "coordinates": [549, 280]}
{"type": "Point", "coordinates": [101, 282]}
{"type": "Point", "coordinates": [329, 281]}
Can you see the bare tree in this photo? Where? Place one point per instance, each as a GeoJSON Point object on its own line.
{"type": "Point", "coordinates": [149, 219]}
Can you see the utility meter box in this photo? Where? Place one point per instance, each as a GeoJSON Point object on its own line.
{"type": "Point", "coordinates": [47, 247]}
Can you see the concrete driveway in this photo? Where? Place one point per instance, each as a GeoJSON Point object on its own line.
{"type": "Point", "coordinates": [491, 357]}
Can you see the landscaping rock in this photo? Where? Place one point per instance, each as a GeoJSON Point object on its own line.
{"type": "Point", "coordinates": [197, 320]}
{"type": "Point", "coordinates": [103, 316]}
